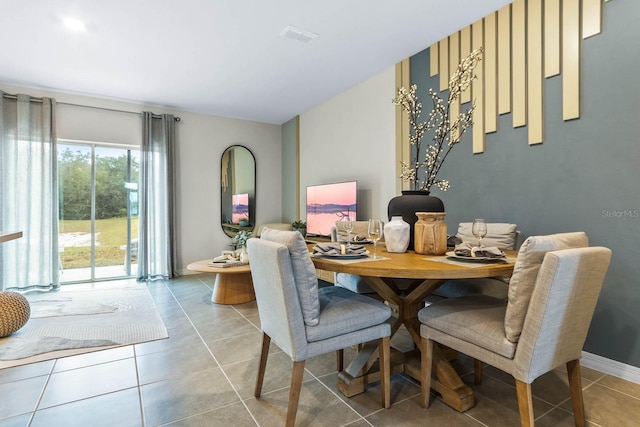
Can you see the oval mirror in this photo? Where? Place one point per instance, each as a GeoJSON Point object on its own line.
{"type": "Point", "coordinates": [238, 190]}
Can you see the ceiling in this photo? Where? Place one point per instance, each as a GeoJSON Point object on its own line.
{"type": "Point", "coordinates": [221, 57]}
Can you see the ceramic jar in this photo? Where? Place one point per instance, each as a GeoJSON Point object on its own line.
{"type": "Point", "coordinates": [397, 235]}
{"type": "Point", "coordinates": [244, 255]}
{"type": "Point", "coordinates": [430, 233]}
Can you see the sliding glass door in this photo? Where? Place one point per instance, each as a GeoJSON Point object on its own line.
{"type": "Point", "coordinates": [98, 212]}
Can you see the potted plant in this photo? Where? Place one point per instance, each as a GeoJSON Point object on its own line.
{"type": "Point", "coordinates": [299, 226]}
{"type": "Point", "coordinates": [240, 239]}
{"type": "Point", "coordinates": [446, 130]}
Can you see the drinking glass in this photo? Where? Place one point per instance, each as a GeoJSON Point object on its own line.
{"type": "Point", "coordinates": [375, 233]}
{"type": "Point", "coordinates": [479, 229]}
{"type": "Point", "coordinates": [348, 224]}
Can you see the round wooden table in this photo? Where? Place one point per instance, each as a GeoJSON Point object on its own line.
{"type": "Point", "coordinates": [233, 285]}
{"type": "Point", "coordinates": [424, 273]}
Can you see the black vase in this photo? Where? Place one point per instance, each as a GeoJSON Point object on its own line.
{"type": "Point", "coordinates": [411, 202]}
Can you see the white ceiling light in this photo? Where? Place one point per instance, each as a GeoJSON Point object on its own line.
{"type": "Point", "coordinates": [298, 34]}
{"type": "Point", "coordinates": [73, 24]}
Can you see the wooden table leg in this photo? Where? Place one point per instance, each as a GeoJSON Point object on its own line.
{"type": "Point", "coordinates": [448, 384]}
{"type": "Point", "coordinates": [233, 288]}
{"type": "Point", "coordinates": [445, 380]}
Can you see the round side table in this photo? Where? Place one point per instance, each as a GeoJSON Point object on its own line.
{"type": "Point", "coordinates": [233, 285]}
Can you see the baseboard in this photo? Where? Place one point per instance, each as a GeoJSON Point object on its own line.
{"type": "Point", "coordinates": [611, 367]}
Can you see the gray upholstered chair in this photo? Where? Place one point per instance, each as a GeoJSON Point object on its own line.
{"type": "Point", "coordinates": [304, 321]}
{"type": "Point", "coordinates": [543, 325]}
{"type": "Point", "coordinates": [499, 234]}
{"type": "Point", "coordinates": [273, 226]}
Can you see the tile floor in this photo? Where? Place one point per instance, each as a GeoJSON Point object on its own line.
{"type": "Point", "coordinates": [204, 374]}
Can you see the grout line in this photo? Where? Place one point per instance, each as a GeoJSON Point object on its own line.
{"type": "Point", "coordinates": [475, 419]}
{"type": "Point", "coordinates": [211, 352]}
{"type": "Point", "coordinates": [340, 398]}
{"type": "Point", "coordinates": [44, 388]}
{"type": "Point", "coordinates": [135, 361]}
{"type": "Point", "coordinates": [615, 390]}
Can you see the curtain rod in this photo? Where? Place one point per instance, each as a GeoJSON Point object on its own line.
{"type": "Point", "coordinates": [155, 116]}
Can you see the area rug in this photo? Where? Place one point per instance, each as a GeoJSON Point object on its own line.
{"type": "Point", "coordinates": [66, 323]}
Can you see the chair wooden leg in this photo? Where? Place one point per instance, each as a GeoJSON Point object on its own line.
{"type": "Point", "coordinates": [385, 371]}
{"type": "Point", "coordinates": [294, 393]}
{"type": "Point", "coordinates": [426, 360]}
{"type": "Point", "coordinates": [575, 385]}
{"type": "Point", "coordinates": [477, 371]}
{"type": "Point", "coordinates": [264, 353]}
{"type": "Point", "coordinates": [340, 360]}
{"type": "Point", "coordinates": [525, 403]}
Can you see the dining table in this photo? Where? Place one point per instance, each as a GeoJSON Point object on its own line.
{"type": "Point", "coordinates": [404, 281]}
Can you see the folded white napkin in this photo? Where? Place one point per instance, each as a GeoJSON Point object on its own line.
{"type": "Point", "coordinates": [465, 249]}
{"type": "Point", "coordinates": [337, 249]}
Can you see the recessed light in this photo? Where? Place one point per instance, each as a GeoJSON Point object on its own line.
{"type": "Point", "coordinates": [74, 24]}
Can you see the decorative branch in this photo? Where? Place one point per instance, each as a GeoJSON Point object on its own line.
{"type": "Point", "coordinates": [447, 131]}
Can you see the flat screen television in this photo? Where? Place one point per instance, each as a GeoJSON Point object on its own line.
{"type": "Point", "coordinates": [239, 207]}
{"type": "Point", "coordinates": [328, 203]}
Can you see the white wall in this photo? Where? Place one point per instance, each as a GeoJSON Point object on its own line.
{"type": "Point", "coordinates": [352, 137]}
{"type": "Point", "coordinates": [200, 141]}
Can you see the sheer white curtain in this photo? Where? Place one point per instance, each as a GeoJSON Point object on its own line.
{"type": "Point", "coordinates": [156, 220]}
{"type": "Point", "coordinates": [28, 192]}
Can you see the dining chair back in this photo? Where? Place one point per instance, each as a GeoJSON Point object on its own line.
{"type": "Point", "coordinates": [304, 321]}
{"type": "Point", "coordinates": [501, 235]}
{"type": "Point", "coordinates": [274, 225]}
{"type": "Point", "coordinates": [556, 304]}
{"type": "Point", "coordinates": [360, 232]}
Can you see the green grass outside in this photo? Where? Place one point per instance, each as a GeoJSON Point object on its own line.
{"type": "Point", "coordinates": [113, 234]}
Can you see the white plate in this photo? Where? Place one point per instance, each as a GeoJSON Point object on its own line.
{"type": "Point", "coordinates": [345, 256]}
{"type": "Point", "coordinates": [452, 254]}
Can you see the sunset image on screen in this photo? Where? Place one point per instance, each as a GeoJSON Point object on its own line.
{"type": "Point", "coordinates": [240, 204]}
{"type": "Point", "coordinates": [329, 203]}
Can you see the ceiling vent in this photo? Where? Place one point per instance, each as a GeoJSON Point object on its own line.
{"type": "Point", "coordinates": [298, 34]}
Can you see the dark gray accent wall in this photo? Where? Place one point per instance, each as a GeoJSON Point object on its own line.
{"type": "Point", "coordinates": [584, 177]}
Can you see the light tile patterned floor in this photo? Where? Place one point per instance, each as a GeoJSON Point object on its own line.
{"type": "Point", "coordinates": [204, 374]}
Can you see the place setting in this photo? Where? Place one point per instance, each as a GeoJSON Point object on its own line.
{"type": "Point", "coordinates": [352, 249]}
{"type": "Point", "coordinates": [465, 251]}
{"type": "Point", "coordinates": [340, 250]}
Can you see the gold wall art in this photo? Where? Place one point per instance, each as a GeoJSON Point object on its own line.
{"type": "Point", "coordinates": [524, 43]}
{"type": "Point", "coordinates": [403, 146]}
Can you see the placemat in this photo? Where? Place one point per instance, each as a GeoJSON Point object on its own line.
{"type": "Point", "coordinates": [448, 260]}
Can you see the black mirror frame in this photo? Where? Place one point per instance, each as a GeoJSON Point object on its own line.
{"type": "Point", "coordinates": [229, 228]}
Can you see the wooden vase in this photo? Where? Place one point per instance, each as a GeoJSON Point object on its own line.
{"type": "Point", "coordinates": [430, 233]}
